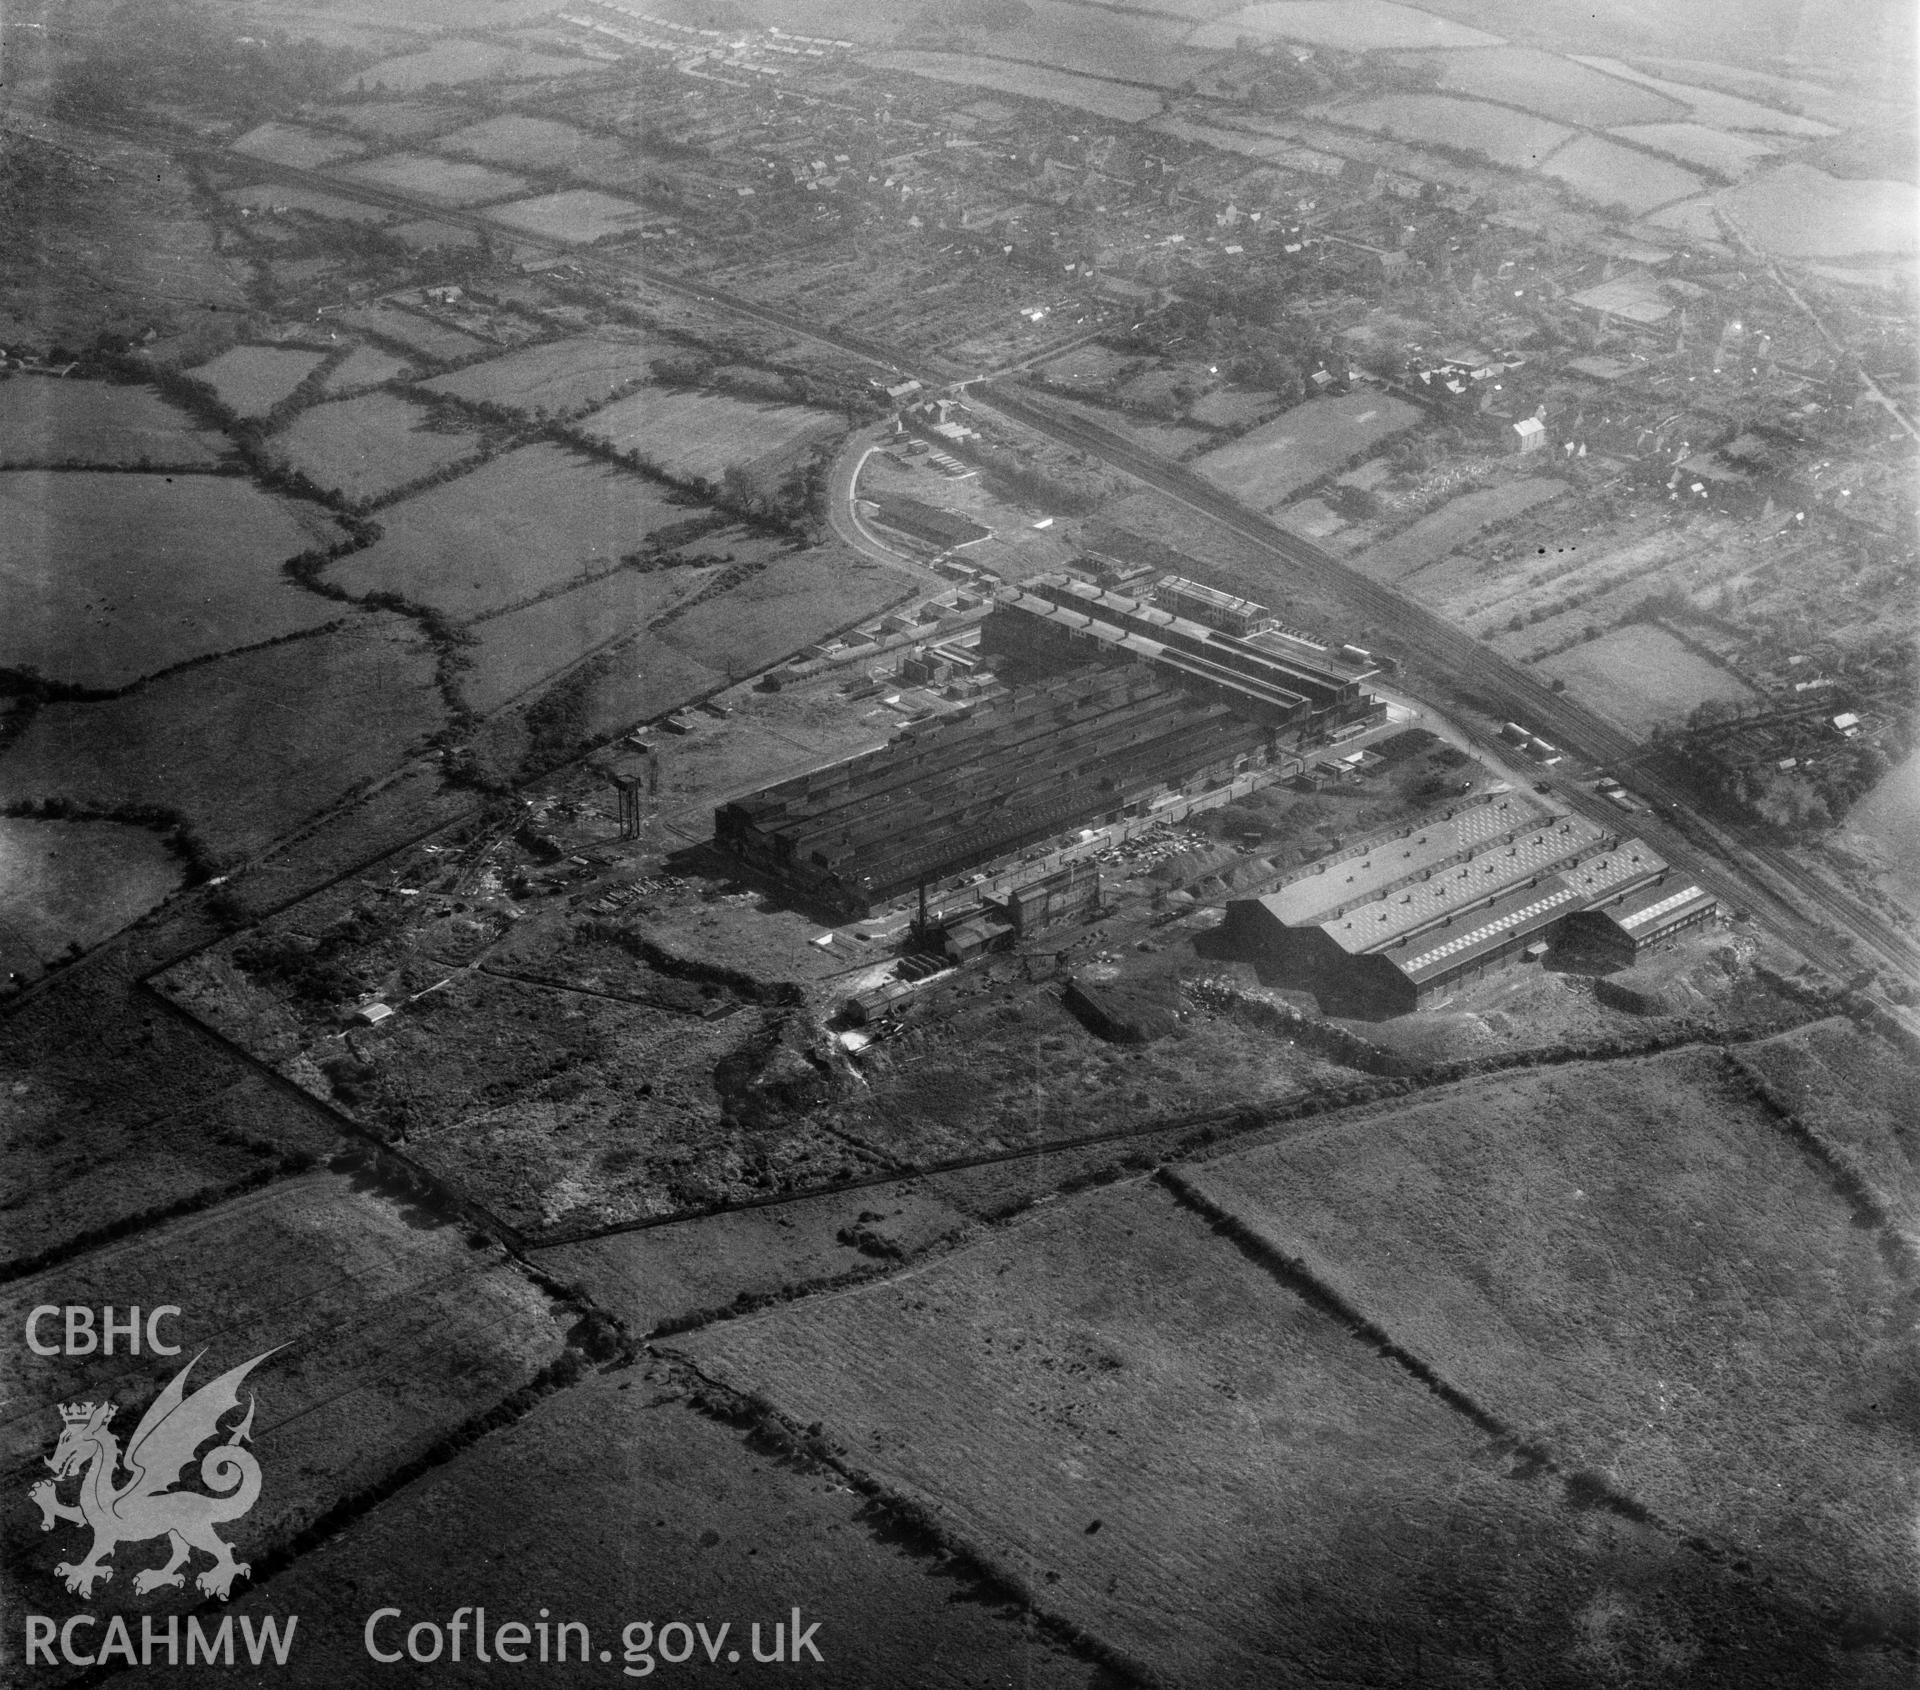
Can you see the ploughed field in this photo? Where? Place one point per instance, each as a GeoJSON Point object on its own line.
{"type": "Point", "coordinates": [1177, 1454]}
{"type": "Point", "coordinates": [1639, 1267]}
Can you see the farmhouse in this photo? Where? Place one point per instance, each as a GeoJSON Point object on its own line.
{"type": "Point", "coordinates": [1399, 922]}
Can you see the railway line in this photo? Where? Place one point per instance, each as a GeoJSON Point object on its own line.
{"type": "Point", "coordinates": [1794, 901]}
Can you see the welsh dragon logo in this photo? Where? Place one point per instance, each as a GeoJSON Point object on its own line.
{"type": "Point", "coordinates": [145, 1504]}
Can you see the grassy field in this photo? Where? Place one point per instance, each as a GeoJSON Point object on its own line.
{"type": "Point", "coordinates": [306, 721]}
{"type": "Point", "coordinates": [1799, 212]}
{"type": "Point", "coordinates": [1639, 676]}
{"type": "Point", "coordinates": [689, 434]}
{"type": "Point", "coordinates": [364, 366]}
{"type": "Point", "coordinates": [796, 600]}
{"type": "Point", "coordinates": [426, 233]}
{"type": "Point", "coordinates": [527, 523]}
{"type": "Point", "coordinates": [288, 143]}
{"type": "Point", "coordinates": [1556, 87]}
{"type": "Point", "coordinates": [539, 143]}
{"type": "Point", "coordinates": [1694, 143]}
{"type": "Point", "coordinates": [1268, 465]}
{"type": "Point", "coordinates": [1507, 137]}
{"type": "Point", "coordinates": [615, 1501]}
{"type": "Point", "coordinates": [370, 445]}
{"type": "Point", "coordinates": [1634, 1264]}
{"type": "Point", "coordinates": [408, 328]}
{"type": "Point", "coordinates": [1886, 825]}
{"type": "Point", "coordinates": [577, 214]}
{"type": "Point", "coordinates": [397, 120]}
{"type": "Point", "coordinates": [49, 421]}
{"type": "Point", "coordinates": [1442, 531]}
{"type": "Point", "coordinates": [1135, 48]}
{"type": "Point", "coordinates": [562, 377]}
{"type": "Point", "coordinates": [444, 181]}
{"type": "Point", "coordinates": [1608, 174]}
{"type": "Point", "coordinates": [74, 883]}
{"type": "Point", "coordinates": [253, 379]}
{"type": "Point", "coordinates": [1178, 1455]}
{"type": "Point", "coordinates": [457, 61]}
{"type": "Point", "coordinates": [1722, 110]}
{"type": "Point", "coordinates": [263, 196]}
{"type": "Point", "coordinates": [521, 648]}
{"type": "Point", "coordinates": [1858, 1091]}
{"type": "Point", "coordinates": [1356, 26]}
{"type": "Point", "coordinates": [1112, 100]}
{"type": "Point", "coordinates": [117, 576]}
{"type": "Point", "coordinates": [394, 1330]}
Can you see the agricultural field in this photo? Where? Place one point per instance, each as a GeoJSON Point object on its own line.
{"type": "Point", "coordinates": [366, 447]}
{"type": "Point", "coordinates": [1271, 463]}
{"type": "Point", "coordinates": [1508, 137]}
{"type": "Point", "coordinates": [629, 1460]}
{"type": "Point", "coordinates": [1195, 1466]}
{"type": "Point", "coordinates": [1718, 150]}
{"type": "Point", "coordinates": [705, 434]}
{"type": "Point", "coordinates": [264, 196]}
{"type": "Point", "coordinates": [44, 420]}
{"type": "Point", "coordinates": [1857, 1090]}
{"type": "Point", "coordinates": [364, 366]}
{"type": "Point", "coordinates": [518, 649]}
{"type": "Point", "coordinates": [1440, 532]}
{"type": "Point", "coordinates": [1639, 676]}
{"type": "Point", "coordinates": [1227, 407]}
{"type": "Point", "coordinates": [103, 233]}
{"type": "Point", "coordinates": [116, 576]}
{"type": "Point", "coordinates": [1608, 174]}
{"type": "Point", "coordinates": [455, 61]}
{"type": "Point", "coordinates": [1112, 100]}
{"type": "Point", "coordinates": [436, 341]}
{"type": "Point", "coordinates": [444, 181]}
{"type": "Point", "coordinates": [581, 215]}
{"type": "Point", "coordinates": [427, 233]}
{"type": "Point", "coordinates": [1134, 48]}
{"type": "Point", "coordinates": [396, 120]}
{"type": "Point", "coordinates": [74, 883]}
{"type": "Point", "coordinates": [1798, 212]}
{"type": "Point", "coordinates": [1355, 26]}
{"type": "Point", "coordinates": [539, 143]}
{"type": "Point", "coordinates": [1710, 106]}
{"type": "Point", "coordinates": [562, 377]}
{"type": "Point", "coordinates": [307, 721]}
{"type": "Point", "coordinates": [1554, 86]}
{"type": "Point", "coordinates": [251, 380]}
{"type": "Point", "coordinates": [795, 601]}
{"type": "Point", "coordinates": [528, 523]}
{"type": "Point", "coordinates": [290, 144]}
{"type": "Point", "coordinates": [1885, 827]}
{"type": "Point", "coordinates": [352, 1290]}
{"type": "Point", "coordinates": [1633, 1263]}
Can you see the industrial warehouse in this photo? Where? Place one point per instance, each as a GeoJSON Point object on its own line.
{"type": "Point", "coordinates": [1115, 705]}
{"type": "Point", "coordinates": [1399, 922]}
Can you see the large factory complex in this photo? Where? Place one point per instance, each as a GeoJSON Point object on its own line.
{"type": "Point", "coordinates": [1401, 921]}
{"type": "Point", "coordinates": [1118, 704]}
{"type": "Point", "coordinates": [1124, 705]}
